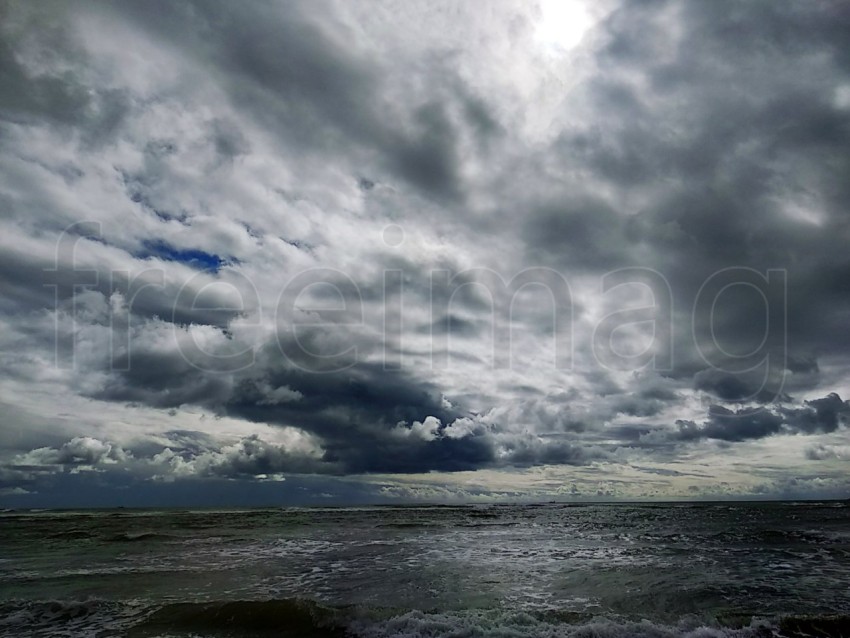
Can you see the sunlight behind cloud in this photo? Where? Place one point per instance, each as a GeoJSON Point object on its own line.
{"type": "Point", "coordinates": [563, 24]}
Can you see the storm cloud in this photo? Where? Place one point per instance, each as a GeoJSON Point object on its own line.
{"type": "Point", "coordinates": [369, 242]}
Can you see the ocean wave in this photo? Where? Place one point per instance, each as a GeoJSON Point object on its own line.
{"type": "Point", "coordinates": [484, 624]}
{"type": "Point", "coordinates": [288, 618]}
{"type": "Point", "coordinates": [72, 619]}
{"type": "Point", "coordinates": [133, 537]}
{"type": "Point", "coordinates": [73, 534]}
{"type": "Point", "coordinates": [305, 618]}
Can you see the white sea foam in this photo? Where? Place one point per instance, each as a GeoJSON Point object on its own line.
{"type": "Point", "coordinates": [500, 624]}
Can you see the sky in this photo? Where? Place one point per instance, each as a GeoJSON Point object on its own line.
{"type": "Point", "coordinates": [335, 252]}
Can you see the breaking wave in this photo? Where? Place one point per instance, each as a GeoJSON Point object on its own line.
{"type": "Point", "coordinates": [303, 618]}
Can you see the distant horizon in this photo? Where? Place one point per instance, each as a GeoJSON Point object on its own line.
{"type": "Point", "coordinates": [413, 504]}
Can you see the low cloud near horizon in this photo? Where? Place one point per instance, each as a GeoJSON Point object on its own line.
{"type": "Point", "coordinates": [339, 252]}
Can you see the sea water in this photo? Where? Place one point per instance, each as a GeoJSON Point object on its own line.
{"type": "Point", "coordinates": [655, 570]}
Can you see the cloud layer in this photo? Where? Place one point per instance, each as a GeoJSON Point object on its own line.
{"type": "Point", "coordinates": [424, 249]}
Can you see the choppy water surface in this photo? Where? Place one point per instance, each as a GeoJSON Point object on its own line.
{"type": "Point", "coordinates": [550, 570]}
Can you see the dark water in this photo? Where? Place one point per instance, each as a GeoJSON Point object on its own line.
{"type": "Point", "coordinates": [509, 571]}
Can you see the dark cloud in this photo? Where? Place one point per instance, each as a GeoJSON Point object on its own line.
{"type": "Point", "coordinates": [356, 414]}
{"type": "Point", "coordinates": [304, 84]}
{"type": "Point", "coordinates": [524, 452]}
{"type": "Point", "coordinates": [66, 100]}
{"type": "Point", "coordinates": [359, 412]}
{"type": "Point", "coordinates": [726, 425]}
{"type": "Point", "coordinates": [453, 325]}
{"type": "Point", "coordinates": [733, 127]}
{"type": "Point", "coordinates": [819, 416]}
{"type": "Point", "coordinates": [162, 379]}
{"type": "Point", "coordinates": [639, 406]}
{"type": "Point", "coordinates": [584, 233]}
{"type": "Point", "coordinates": [737, 387]}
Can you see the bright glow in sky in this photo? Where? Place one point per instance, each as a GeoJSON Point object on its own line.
{"type": "Point", "coordinates": [563, 24]}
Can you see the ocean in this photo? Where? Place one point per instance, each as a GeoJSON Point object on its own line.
{"type": "Point", "coordinates": [512, 571]}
